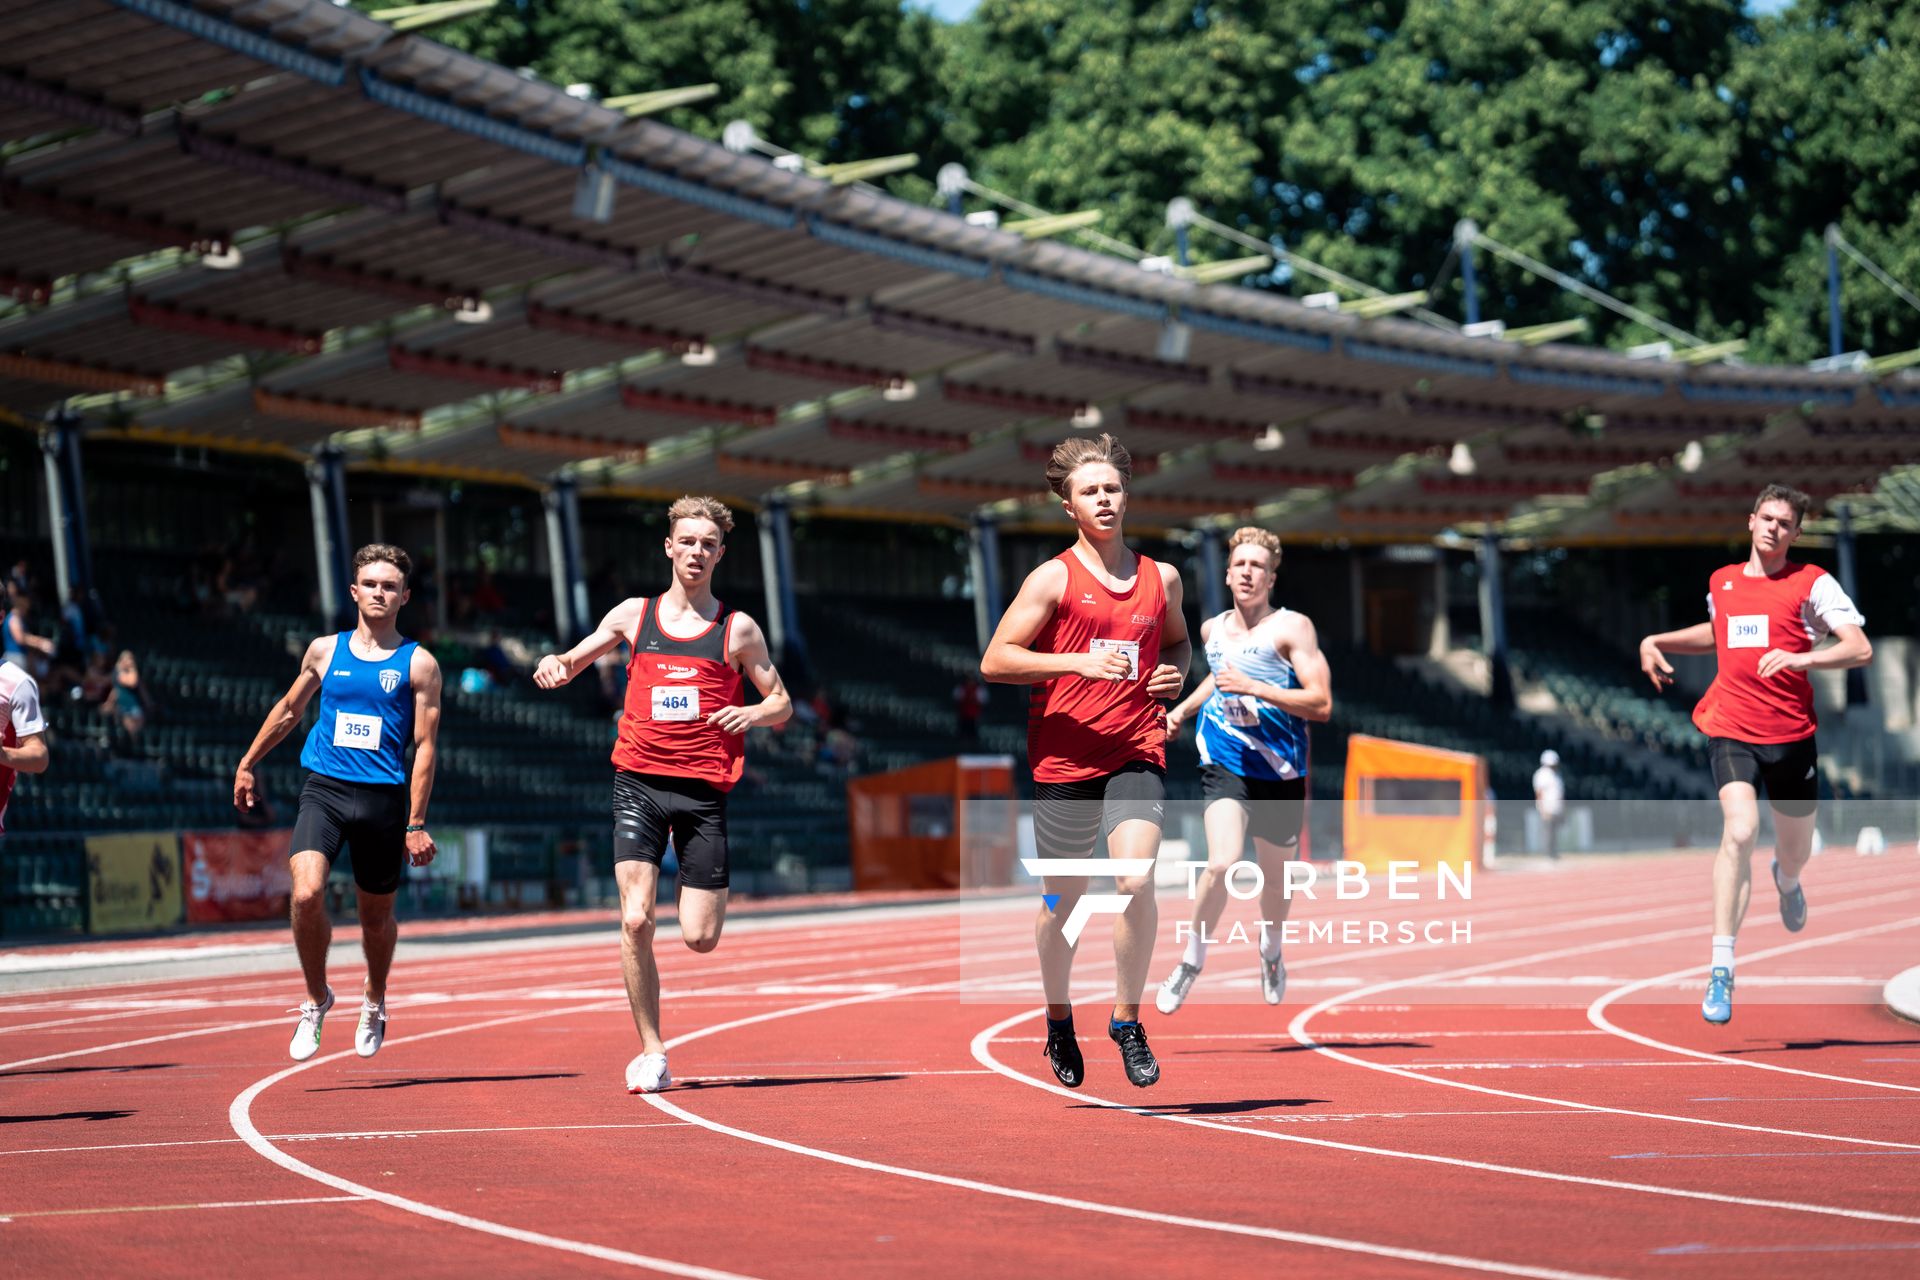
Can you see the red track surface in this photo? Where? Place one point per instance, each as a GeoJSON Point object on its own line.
{"type": "Point", "coordinates": [1514, 1106]}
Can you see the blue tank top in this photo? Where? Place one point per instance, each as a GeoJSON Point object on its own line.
{"type": "Point", "coordinates": [366, 716]}
{"type": "Point", "coordinates": [1238, 731]}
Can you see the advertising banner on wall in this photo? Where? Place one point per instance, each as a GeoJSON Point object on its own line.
{"type": "Point", "coordinates": [236, 875]}
{"type": "Point", "coordinates": [133, 882]}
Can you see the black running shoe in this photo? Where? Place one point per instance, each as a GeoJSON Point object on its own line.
{"type": "Point", "coordinates": [1142, 1070]}
{"type": "Point", "coordinates": [1063, 1055]}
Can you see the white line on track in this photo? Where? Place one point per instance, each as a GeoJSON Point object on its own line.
{"type": "Point", "coordinates": [983, 1052]}
{"type": "Point", "coordinates": [1597, 1011]}
{"type": "Point", "coordinates": [238, 1115]}
{"type": "Point", "coordinates": [1298, 1030]}
{"type": "Point", "coordinates": [1338, 1243]}
{"type": "Point", "coordinates": [345, 1135]}
{"type": "Point", "coordinates": [170, 1208]}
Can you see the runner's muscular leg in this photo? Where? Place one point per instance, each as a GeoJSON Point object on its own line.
{"type": "Point", "coordinates": [1226, 823]}
{"type": "Point", "coordinates": [1133, 932]}
{"type": "Point", "coordinates": [312, 927]}
{"type": "Point", "coordinates": [1732, 866]}
{"type": "Point", "coordinates": [639, 881]}
{"type": "Point", "coordinates": [379, 931]}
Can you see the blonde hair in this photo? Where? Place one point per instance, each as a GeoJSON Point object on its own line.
{"type": "Point", "coordinates": [1269, 542]}
{"type": "Point", "coordinates": [700, 508]}
{"type": "Point", "coordinates": [1077, 451]}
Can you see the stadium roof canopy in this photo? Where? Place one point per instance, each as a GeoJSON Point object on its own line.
{"type": "Point", "coordinates": [270, 224]}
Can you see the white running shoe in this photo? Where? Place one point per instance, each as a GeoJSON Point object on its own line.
{"type": "Point", "coordinates": [1173, 992]}
{"type": "Point", "coordinates": [372, 1031]}
{"type": "Point", "coordinates": [306, 1035]}
{"type": "Point", "coordinates": [1273, 979]}
{"type": "Point", "coordinates": [648, 1073]}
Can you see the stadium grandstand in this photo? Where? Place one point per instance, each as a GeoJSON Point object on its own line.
{"type": "Point", "coordinates": [284, 279]}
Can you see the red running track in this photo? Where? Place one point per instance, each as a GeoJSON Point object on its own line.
{"type": "Point", "coordinates": [1542, 1101]}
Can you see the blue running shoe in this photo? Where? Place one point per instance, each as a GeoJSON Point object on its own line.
{"type": "Point", "coordinates": [1793, 904]}
{"type": "Point", "coordinates": [1718, 1006]}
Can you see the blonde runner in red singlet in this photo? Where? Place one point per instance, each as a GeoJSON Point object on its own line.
{"type": "Point", "coordinates": [679, 752]}
{"type": "Point", "coordinates": [1099, 635]}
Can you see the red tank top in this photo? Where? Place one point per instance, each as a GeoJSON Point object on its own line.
{"type": "Point", "coordinates": [1751, 616]}
{"type": "Point", "coordinates": [673, 685]}
{"type": "Point", "coordinates": [1079, 728]}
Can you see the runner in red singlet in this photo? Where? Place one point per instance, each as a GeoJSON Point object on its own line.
{"type": "Point", "coordinates": [679, 752]}
{"type": "Point", "coordinates": [1099, 634]}
{"type": "Point", "coordinates": [1764, 618]}
{"type": "Point", "coordinates": [23, 732]}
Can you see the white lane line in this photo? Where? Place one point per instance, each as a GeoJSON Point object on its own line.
{"type": "Point", "coordinates": [344, 1136]}
{"type": "Point", "coordinates": [663, 1103]}
{"type": "Point", "coordinates": [1359, 1037]}
{"type": "Point", "coordinates": [1298, 1030]}
{"type": "Point", "coordinates": [1597, 1011]}
{"type": "Point", "coordinates": [171, 1208]}
{"type": "Point", "coordinates": [238, 1115]}
{"type": "Point", "coordinates": [510, 993]}
{"type": "Point", "coordinates": [983, 1052]}
{"type": "Point", "coordinates": [1503, 1064]}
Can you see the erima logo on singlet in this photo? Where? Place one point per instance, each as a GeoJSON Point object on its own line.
{"type": "Point", "coordinates": [389, 680]}
{"type": "Point", "coordinates": [1086, 597]}
{"type": "Point", "coordinates": [1727, 585]}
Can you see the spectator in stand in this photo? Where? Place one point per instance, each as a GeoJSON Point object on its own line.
{"type": "Point", "coordinates": [968, 698]}
{"type": "Point", "coordinates": [839, 752]}
{"type": "Point", "coordinates": [236, 586]}
{"type": "Point", "coordinates": [21, 577]}
{"type": "Point", "coordinates": [129, 700]}
{"type": "Point", "coordinates": [497, 661]}
{"type": "Point", "coordinates": [18, 643]}
{"type": "Point", "coordinates": [487, 600]}
{"type": "Point", "coordinates": [96, 686]}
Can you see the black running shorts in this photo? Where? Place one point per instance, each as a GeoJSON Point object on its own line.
{"type": "Point", "coordinates": [1069, 818]}
{"type": "Point", "coordinates": [1275, 806]}
{"type": "Point", "coordinates": [1789, 770]}
{"type": "Point", "coordinates": [370, 818]}
{"type": "Point", "coordinates": [648, 807]}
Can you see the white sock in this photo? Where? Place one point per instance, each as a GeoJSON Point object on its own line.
{"type": "Point", "coordinates": [1723, 952]}
{"type": "Point", "coordinates": [1196, 953]}
{"type": "Point", "coordinates": [1270, 942]}
{"type": "Point", "coordinates": [1784, 882]}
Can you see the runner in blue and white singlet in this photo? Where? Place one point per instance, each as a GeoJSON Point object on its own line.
{"type": "Point", "coordinates": [379, 694]}
{"type": "Point", "coordinates": [366, 716]}
{"type": "Point", "coordinates": [1267, 679]}
{"type": "Point", "coordinates": [1239, 732]}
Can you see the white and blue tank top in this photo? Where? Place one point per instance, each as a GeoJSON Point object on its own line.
{"type": "Point", "coordinates": [1238, 731]}
{"type": "Point", "coordinates": [366, 716]}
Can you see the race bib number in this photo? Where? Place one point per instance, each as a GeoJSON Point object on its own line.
{"type": "Point", "coordinates": [676, 702]}
{"type": "Point", "coordinates": [1243, 711]}
{"type": "Point", "coordinates": [1747, 631]}
{"type": "Point", "coordinates": [1130, 649]}
{"type": "Point", "coordinates": [356, 733]}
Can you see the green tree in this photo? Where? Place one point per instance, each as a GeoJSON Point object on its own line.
{"type": "Point", "coordinates": [837, 79]}
{"type": "Point", "coordinates": [1831, 135]}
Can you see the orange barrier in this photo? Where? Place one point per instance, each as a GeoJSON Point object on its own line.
{"type": "Point", "coordinates": [1409, 803]}
{"type": "Point", "coordinates": [913, 828]}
